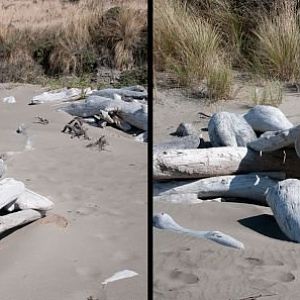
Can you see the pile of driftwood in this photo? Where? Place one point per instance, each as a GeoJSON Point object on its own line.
{"type": "Point", "coordinates": [125, 108]}
{"type": "Point", "coordinates": [19, 205]}
{"type": "Point", "coordinates": [255, 156]}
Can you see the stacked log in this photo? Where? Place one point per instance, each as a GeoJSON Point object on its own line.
{"type": "Point", "coordinates": [250, 158]}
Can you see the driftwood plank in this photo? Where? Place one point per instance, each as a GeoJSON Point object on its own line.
{"type": "Point", "coordinates": [218, 161]}
{"type": "Point", "coordinates": [229, 129]}
{"type": "Point", "coordinates": [18, 218]}
{"type": "Point", "coordinates": [267, 118]}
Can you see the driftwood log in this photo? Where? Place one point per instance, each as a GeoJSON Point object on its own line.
{"type": "Point", "coordinates": [123, 92]}
{"type": "Point", "coordinates": [284, 200]}
{"type": "Point", "coordinates": [186, 142]}
{"type": "Point", "coordinates": [267, 118]}
{"type": "Point", "coordinates": [19, 218]}
{"type": "Point", "coordinates": [274, 140]}
{"type": "Point", "coordinates": [248, 186]}
{"type": "Point", "coordinates": [10, 190]}
{"type": "Point", "coordinates": [218, 161]}
{"type": "Point", "coordinates": [229, 129]}
{"type": "Point", "coordinates": [132, 113]}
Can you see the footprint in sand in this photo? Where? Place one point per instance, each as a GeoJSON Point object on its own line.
{"type": "Point", "coordinates": [188, 278]}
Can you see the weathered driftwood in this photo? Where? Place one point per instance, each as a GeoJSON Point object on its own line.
{"type": "Point", "coordinates": [60, 95]}
{"type": "Point", "coordinates": [165, 221]}
{"type": "Point", "coordinates": [186, 142]}
{"type": "Point", "coordinates": [275, 140]}
{"type": "Point", "coordinates": [131, 112]}
{"type": "Point", "coordinates": [267, 118]}
{"type": "Point", "coordinates": [31, 200]}
{"type": "Point", "coordinates": [10, 190]}
{"type": "Point", "coordinates": [188, 198]}
{"type": "Point", "coordinates": [18, 218]}
{"type": "Point", "coordinates": [248, 186]}
{"type": "Point", "coordinates": [229, 129]}
{"type": "Point", "coordinates": [284, 200]}
{"type": "Point", "coordinates": [202, 163]}
{"type": "Point", "coordinates": [125, 92]}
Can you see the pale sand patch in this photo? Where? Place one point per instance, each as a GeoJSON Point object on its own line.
{"type": "Point", "coordinates": [98, 225]}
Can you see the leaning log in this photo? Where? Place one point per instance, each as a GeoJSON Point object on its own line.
{"type": "Point", "coordinates": [284, 200]}
{"type": "Point", "coordinates": [267, 118]}
{"type": "Point", "coordinates": [10, 190]}
{"type": "Point", "coordinates": [202, 163]}
{"type": "Point", "coordinates": [248, 186]}
{"type": "Point", "coordinates": [275, 140]}
{"type": "Point", "coordinates": [229, 129]}
{"type": "Point", "coordinates": [18, 218]}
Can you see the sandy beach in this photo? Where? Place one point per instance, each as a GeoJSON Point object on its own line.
{"type": "Point", "coordinates": [98, 225]}
{"type": "Point", "coordinates": [190, 268]}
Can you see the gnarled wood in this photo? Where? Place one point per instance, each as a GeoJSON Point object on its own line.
{"type": "Point", "coordinates": [267, 118]}
{"type": "Point", "coordinates": [202, 163]}
{"type": "Point", "coordinates": [275, 140]}
{"type": "Point", "coordinates": [18, 218]}
{"type": "Point", "coordinates": [229, 129]}
{"type": "Point", "coordinates": [248, 186]}
{"type": "Point", "coordinates": [284, 200]}
{"type": "Point", "coordinates": [186, 142]}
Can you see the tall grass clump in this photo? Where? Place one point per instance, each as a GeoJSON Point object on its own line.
{"type": "Point", "coordinates": [189, 47]}
{"type": "Point", "coordinates": [277, 51]}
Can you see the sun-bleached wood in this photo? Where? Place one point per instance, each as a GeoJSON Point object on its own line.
{"type": "Point", "coordinates": [284, 200]}
{"type": "Point", "coordinates": [248, 186]}
{"type": "Point", "coordinates": [186, 142]}
{"type": "Point", "coordinates": [10, 190]}
{"type": "Point", "coordinates": [19, 218]}
{"type": "Point", "coordinates": [218, 161]}
{"type": "Point", "coordinates": [229, 129]}
{"type": "Point", "coordinates": [165, 221]}
{"type": "Point", "coordinates": [267, 118]}
{"type": "Point", "coordinates": [275, 140]}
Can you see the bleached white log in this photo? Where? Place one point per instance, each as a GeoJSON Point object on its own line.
{"type": "Point", "coordinates": [275, 140]}
{"type": "Point", "coordinates": [218, 161]}
{"type": "Point", "coordinates": [109, 93]}
{"type": "Point", "coordinates": [131, 112]}
{"type": "Point", "coordinates": [19, 218]}
{"type": "Point", "coordinates": [184, 198]}
{"type": "Point", "coordinates": [248, 186]}
{"type": "Point", "coordinates": [60, 95]}
{"type": "Point", "coordinates": [267, 118]}
{"type": "Point", "coordinates": [229, 129]}
{"type": "Point", "coordinates": [284, 200]}
{"type": "Point", "coordinates": [186, 142]}
{"type": "Point", "coordinates": [10, 190]}
{"type": "Point", "coordinates": [165, 221]}
{"type": "Point", "coordinates": [31, 200]}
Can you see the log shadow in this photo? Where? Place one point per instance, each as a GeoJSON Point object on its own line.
{"type": "Point", "coordinates": [266, 225]}
{"type": "Point", "coordinates": [12, 230]}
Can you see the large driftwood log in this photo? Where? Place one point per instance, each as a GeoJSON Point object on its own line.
{"type": "Point", "coordinates": [229, 129]}
{"type": "Point", "coordinates": [248, 186]}
{"type": "Point", "coordinates": [284, 200]}
{"type": "Point", "coordinates": [267, 118]}
{"type": "Point", "coordinates": [10, 190]}
{"type": "Point", "coordinates": [186, 142]}
{"type": "Point", "coordinates": [125, 92]}
{"type": "Point", "coordinates": [271, 141]}
{"type": "Point", "coordinates": [165, 221]}
{"type": "Point", "coordinates": [202, 163]}
{"type": "Point", "coordinates": [131, 112]}
{"type": "Point", "coordinates": [18, 218]}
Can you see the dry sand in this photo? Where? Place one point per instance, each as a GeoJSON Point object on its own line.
{"type": "Point", "coordinates": [98, 225]}
{"type": "Point", "coordinates": [191, 268]}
